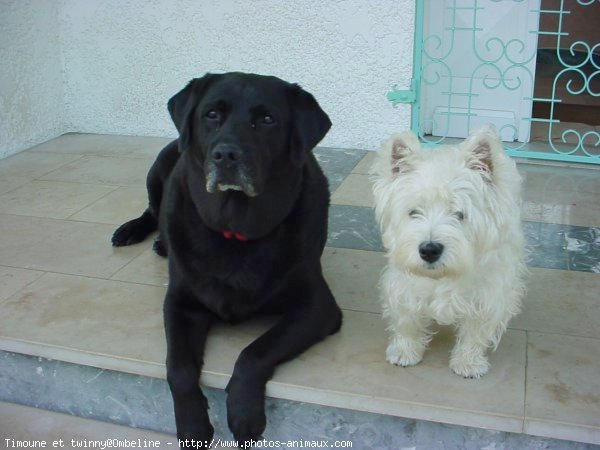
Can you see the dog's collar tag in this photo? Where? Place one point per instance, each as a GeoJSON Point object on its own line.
{"type": "Point", "coordinates": [231, 235]}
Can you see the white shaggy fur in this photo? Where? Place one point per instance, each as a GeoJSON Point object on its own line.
{"type": "Point", "coordinates": [465, 198]}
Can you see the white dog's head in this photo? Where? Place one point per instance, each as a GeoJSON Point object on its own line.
{"type": "Point", "coordinates": [441, 210]}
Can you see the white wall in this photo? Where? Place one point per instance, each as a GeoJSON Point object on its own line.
{"type": "Point", "coordinates": [30, 74]}
{"type": "Point", "coordinates": [122, 60]}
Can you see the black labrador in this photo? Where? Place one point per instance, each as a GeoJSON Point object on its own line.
{"type": "Point", "coordinates": [241, 205]}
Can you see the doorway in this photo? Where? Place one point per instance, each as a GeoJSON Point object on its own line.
{"type": "Point", "coordinates": [531, 68]}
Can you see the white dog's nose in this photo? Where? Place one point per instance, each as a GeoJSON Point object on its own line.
{"type": "Point", "coordinates": [430, 251]}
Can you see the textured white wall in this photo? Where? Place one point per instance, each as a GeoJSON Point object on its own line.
{"type": "Point", "coordinates": [30, 74]}
{"type": "Point", "coordinates": [124, 59]}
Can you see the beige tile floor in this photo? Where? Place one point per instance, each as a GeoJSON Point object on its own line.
{"type": "Point", "coordinates": [66, 294]}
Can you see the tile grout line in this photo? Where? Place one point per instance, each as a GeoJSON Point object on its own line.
{"type": "Point", "coordinates": [78, 275]}
{"type": "Point", "coordinates": [111, 277]}
{"type": "Point", "coordinates": [17, 187]}
{"type": "Point", "coordinates": [89, 222]}
{"type": "Point", "coordinates": [94, 155]}
{"type": "Point", "coordinates": [38, 178]}
{"type": "Point", "coordinates": [570, 335]}
{"type": "Point", "coordinates": [138, 186]}
{"type": "Point", "coordinates": [40, 275]}
{"type": "Point", "coordinates": [114, 188]}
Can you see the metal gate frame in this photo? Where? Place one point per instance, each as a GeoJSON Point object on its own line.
{"type": "Point", "coordinates": [557, 151]}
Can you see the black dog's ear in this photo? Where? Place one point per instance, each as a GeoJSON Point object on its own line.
{"type": "Point", "coordinates": [310, 124]}
{"type": "Point", "coordinates": [182, 106]}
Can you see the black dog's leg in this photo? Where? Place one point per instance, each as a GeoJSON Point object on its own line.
{"type": "Point", "coordinates": [186, 326]}
{"type": "Point", "coordinates": [137, 230]}
{"type": "Point", "coordinates": [293, 333]}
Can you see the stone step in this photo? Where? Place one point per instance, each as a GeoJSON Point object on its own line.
{"type": "Point", "coordinates": [50, 400]}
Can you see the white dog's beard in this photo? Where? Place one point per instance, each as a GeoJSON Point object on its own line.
{"type": "Point", "coordinates": [435, 271]}
{"type": "Point", "coordinates": [446, 266]}
{"type": "Point", "coordinates": [456, 255]}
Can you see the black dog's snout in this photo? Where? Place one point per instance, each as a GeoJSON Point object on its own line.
{"type": "Point", "coordinates": [430, 251]}
{"type": "Point", "coordinates": [226, 154]}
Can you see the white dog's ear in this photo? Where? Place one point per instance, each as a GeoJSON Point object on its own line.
{"type": "Point", "coordinates": [480, 147]}
{"type": "Point", "coordinates": [402, 146]}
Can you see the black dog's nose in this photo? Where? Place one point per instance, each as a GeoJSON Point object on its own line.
{"type": "Point", "coordinates": [430, 251]}
{"type": "Point", "coordinates": [226, 154]}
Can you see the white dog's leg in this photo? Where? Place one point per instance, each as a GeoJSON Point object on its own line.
{"type": "Point", "coordinates": [468, 357]}
{"type": "Point", "coordinates": [409, 337]}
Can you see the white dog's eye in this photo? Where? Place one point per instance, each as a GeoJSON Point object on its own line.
{"type": "Point", "coordinates": [414, 213]}
{"type": "Point", "coordinates": [459, 215]}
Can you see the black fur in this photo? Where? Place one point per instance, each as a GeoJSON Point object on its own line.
{"type": "Point", "coordinates": [240, 127]}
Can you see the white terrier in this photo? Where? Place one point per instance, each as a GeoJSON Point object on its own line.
{"type": "Point", "coordinates": [450, 221]}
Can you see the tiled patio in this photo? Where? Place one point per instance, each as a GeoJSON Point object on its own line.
{"type": "Point", "coordinates": [66, 294]}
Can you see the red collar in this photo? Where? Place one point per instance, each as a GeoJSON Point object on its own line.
{"type": "Point", "coordinates": [230, 235]}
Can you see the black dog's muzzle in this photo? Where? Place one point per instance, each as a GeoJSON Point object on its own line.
{"type": "Point", "coordinates": [226, 170]}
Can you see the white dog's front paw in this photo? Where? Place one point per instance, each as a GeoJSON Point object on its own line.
{"type": "Point", "coordinates": [404, 352]}
{"type": "Point", "coordinates": [473, 366]}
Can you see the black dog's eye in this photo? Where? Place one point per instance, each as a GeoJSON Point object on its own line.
{"type": "Point", "coordinates": [263, 119]}
{"type": "Point", "coordinates": [212, 114]}
{"type": "Point", "coordinates": [459, 215]}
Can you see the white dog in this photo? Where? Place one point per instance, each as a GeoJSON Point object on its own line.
{"type": "Point", "coordinates": [450, 221]}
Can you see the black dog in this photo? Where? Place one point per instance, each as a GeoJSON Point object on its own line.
{"type": "Point", "coordinates": [243, 216]}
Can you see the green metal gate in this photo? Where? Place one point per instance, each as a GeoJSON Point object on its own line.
{"type": "Point", "coordinates": [531, 67]}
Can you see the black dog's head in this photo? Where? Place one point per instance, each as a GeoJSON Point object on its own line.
{"type": "Point", "coordinates": [239, 126]}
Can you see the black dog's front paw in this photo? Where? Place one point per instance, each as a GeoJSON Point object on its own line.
{"type": "Point", "coordinates": [194, 429]}
{"type": "Point", "coordinates": [160, 248]}
{"type": "Point", "coordinates": [128, 234]}
{"type": "Point", "coordinates": [195, 433]}
{"type": "Point", "coordinates": [245, 414]}
{"type": "Point", "coordinates": [134, 231]}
